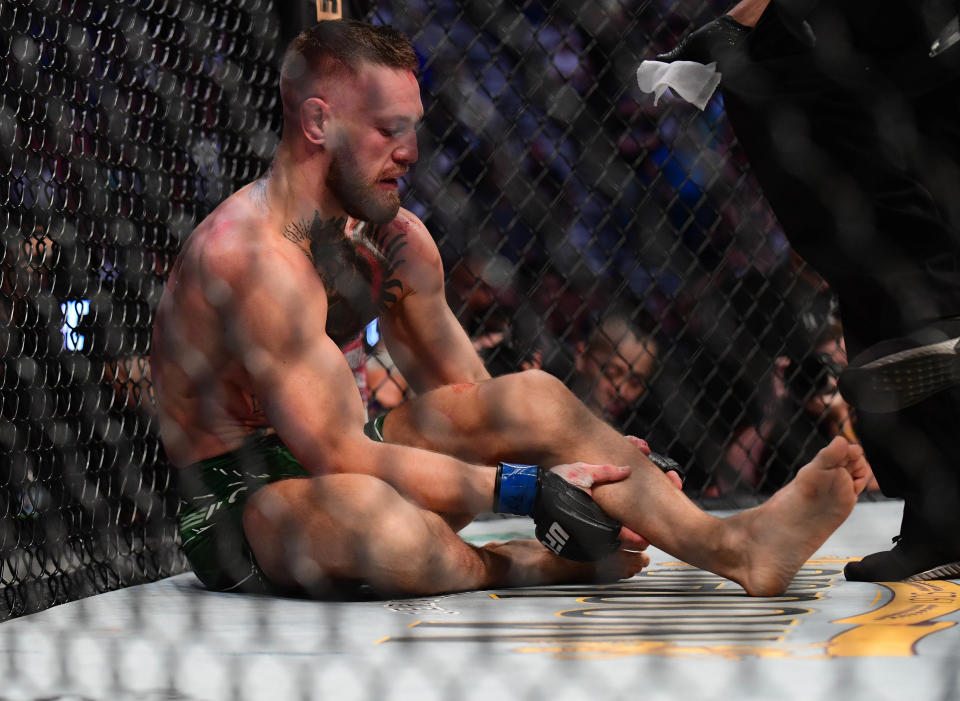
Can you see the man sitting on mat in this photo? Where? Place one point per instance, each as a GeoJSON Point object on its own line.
{"type": "Point", "coordinates": [285, 491]}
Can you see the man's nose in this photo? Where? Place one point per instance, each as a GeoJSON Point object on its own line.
{"type": "Point", "coordinates": [407, 151]}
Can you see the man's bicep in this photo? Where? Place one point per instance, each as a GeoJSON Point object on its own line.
{"type": "Point", "coordinates": [277, 322]}
{"type": "Point", "coordinates": [313, 403]}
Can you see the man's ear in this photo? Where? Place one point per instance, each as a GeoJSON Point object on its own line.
{"type": "Point", "coordinates": [314, 120]}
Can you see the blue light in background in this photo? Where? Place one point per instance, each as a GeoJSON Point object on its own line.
{"type": "Point", "coordinates": [373, 332]}
{"type": "Point", "coordinates": [73, 311]}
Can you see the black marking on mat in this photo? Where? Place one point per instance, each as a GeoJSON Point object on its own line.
{"type": "Point", "coordinates": [672, 604]}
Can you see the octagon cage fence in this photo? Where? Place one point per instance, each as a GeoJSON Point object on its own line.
{"type": "Point", "coordinates": [621, 246]}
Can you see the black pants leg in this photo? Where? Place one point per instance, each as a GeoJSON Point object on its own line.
{"type": "Point", "coordinates": [864, 178]}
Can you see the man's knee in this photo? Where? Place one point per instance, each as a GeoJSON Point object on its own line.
{"type": "Point", "coordinates": [345, 526]}
{"type": "Point", "coordinates": [342, 502]}
{"type": "Point", "coordinates": [511, 417]}
{"type": "Point", "coordinates": [478, 413]}
{"type": "Point", "coordinates": [530, 401]}
{"type": "Point", "coordinates": [521, 416]}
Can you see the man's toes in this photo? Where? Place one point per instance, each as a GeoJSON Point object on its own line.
{"type": "Point", "coordinates": [835, 452]}
{"type": "Point", "coordinates": [860, 472]}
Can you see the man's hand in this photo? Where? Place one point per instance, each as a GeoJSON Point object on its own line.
{"type": "Point", "coordinates": [644, 448]}
{"type": "Point", "coordinates": [568, 522]}
{"type": "Point", "coordinates": [721, 41]}
{"type": "Point", "coordinates": [639, 444]}
{"type": "Point", "coordinates": [585, 476]}
{"type": "Point", "coordinates": [628, 539]}
{"type": "Point", "coordinates": [750, 32]}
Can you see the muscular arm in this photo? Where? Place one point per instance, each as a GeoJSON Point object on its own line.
{"type": "Point", "coordinates": [274, 307]}
{"type": "Point", "coordinates": [423, 336]}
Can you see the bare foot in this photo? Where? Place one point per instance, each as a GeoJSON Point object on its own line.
{"type": "Point", "coordinates": [522, 563]}
{"type": "Point", "coordinates": [779, 536]}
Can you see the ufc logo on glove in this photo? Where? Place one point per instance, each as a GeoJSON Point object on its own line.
{"type": "Point", "coordinates": [555, 538]}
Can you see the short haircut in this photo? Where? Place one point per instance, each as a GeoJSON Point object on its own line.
{"type": "Point", "coordinates": [333, 47]}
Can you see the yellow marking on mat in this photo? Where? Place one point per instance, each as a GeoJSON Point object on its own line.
{"type": "Point", "coordinates": [384, 639]}
{"type": "Point", "coordinates": [414, 624]}
{"type": "Point", "coordinates": [493, 596]}
{"type": "Point", "coordinates": [894, 629]}
{"type": "Point", "coordinates": [604, 650]}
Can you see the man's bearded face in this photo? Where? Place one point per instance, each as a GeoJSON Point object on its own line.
{"type": "Point", "coordinates": [360, 193]}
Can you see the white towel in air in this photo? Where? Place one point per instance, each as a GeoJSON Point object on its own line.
{"type": "Point", "coordinates": [692, 81]}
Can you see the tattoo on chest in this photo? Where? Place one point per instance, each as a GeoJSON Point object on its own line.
{"type": "Point", "coordinates": [258, 193]}
{"type": "Point", "coordinates": [358, 270]}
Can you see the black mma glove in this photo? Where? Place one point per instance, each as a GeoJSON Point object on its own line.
{"type": "Point", "coordinates": [720, 41]}
{"type": "Point", "coordinates": [568, 522]}
{"type": "Point", "coordinates": [571, 524]}
{"type": "Point", "coordinates": [733, 46]}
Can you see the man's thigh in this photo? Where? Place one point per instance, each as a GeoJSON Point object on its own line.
{"type": "Point", "coordinates": [310, 534]}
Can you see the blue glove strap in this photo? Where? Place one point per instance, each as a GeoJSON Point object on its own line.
{"type": "Point", "coordinates": [517, 487]}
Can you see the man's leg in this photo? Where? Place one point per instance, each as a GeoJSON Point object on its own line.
{"type": "Point", "coordinates": [308, 533]}
{"type": "Point", "coordinates": [532, 417]}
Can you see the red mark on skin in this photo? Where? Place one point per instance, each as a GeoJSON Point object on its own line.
{"type": "Point", "coordinates": [411, 77]}
{"type": "Point", "coordinates": [399, 223]}
{"type": "Point", "coordinates": [462, 387]}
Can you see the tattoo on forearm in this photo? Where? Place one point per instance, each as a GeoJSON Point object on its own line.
{"type": "Point", "coordinates": [358, 270]}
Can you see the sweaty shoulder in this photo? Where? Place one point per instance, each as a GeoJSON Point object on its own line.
{"type": "Point", "coordinates": [239, 248]}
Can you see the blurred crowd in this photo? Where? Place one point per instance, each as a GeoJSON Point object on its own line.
{"type": "Point", "coordinates": [621, 246]}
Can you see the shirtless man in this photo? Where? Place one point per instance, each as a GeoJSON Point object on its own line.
{"type": "Point", "coordinates": [285, 490]}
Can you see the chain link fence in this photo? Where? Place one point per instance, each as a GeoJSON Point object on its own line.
{"type": "Point", "coordinates": [620, 246]}
{"type": "Point", "coordinates": [122, 125]}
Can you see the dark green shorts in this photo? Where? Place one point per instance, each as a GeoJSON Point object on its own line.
{"type": "Point", "coordinates": [213, 493]}
{"type": "Point", "coordinates": [374, 428]}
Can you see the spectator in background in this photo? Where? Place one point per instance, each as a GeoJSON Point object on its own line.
{"type": "Point", "coordinates": [802, 395]}
{"type": "Point", "coordinates": [479, 290]}
{"type": "Point", "coordinates": [503, 352]}
{"type": "Point", "coordinates": [613, 367]}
